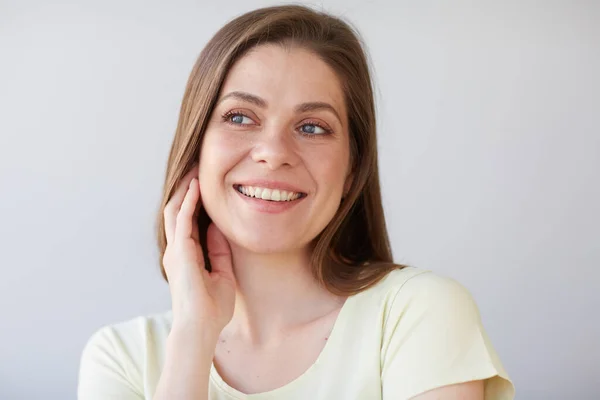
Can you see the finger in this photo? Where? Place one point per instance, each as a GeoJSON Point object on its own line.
{"type": "Point", "coordinates": [195, 231]}
{"type": "Point", "coordinates": [174, 204]}
{"type": "Point", "coordinates": [185, 216]}
{"type": "Point", "coordinates": [219, 252]}
{"type": "Point", "coordinates": [199, 202]}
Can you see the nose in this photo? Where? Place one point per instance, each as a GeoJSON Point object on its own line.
{"type": "Point", "coordinates": [275, 148]}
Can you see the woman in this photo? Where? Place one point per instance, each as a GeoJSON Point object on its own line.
{"type": "Point", "coordinates": [274, 243]}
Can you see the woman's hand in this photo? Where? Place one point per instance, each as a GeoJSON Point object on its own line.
{"type": "Point", "coordinates": [200, 299]}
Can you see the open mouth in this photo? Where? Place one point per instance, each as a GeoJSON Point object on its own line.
{"type": "Point", "coordinates": [275, 195]}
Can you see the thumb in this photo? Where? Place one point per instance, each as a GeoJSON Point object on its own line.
{"type": "Point", "coordinates": [219, 252]}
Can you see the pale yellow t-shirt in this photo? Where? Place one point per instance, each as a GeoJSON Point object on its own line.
{"type": "Point", "coordinates": [412, 332]}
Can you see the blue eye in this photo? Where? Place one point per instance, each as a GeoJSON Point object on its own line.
{"type": "Point", "coordinates": [312, 129]}
{"type": "Point", "coordinates": [238, 119]}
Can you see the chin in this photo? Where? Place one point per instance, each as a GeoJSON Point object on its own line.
{"type": "Point", "coordinates": [265, 243]}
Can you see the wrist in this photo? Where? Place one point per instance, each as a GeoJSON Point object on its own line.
{"type": "Point", "coordinates": [189, 356]}
{"type": "Point", "coordinates": [193, 336]}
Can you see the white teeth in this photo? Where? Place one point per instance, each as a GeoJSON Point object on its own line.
{"type": "Point", "coordinates": [268, 194]}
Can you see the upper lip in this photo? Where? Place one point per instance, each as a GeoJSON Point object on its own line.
{"type": "Point", "coordinates": [269, 184]}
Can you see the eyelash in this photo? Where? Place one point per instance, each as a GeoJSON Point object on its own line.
{"type": "Point", "coordinates": [226, 118]}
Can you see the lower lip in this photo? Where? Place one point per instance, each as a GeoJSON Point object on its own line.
{"type": "Point", "coordinates": [269, 207]}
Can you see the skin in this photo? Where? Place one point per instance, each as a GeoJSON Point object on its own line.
{"type": "Point", "coordinates": [240, 313]}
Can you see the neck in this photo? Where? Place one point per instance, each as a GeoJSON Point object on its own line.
{"type": "Point", "coordinates": [275, 293]}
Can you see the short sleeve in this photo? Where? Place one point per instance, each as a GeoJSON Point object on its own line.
{"type": "Point", "coordinates": [433, 337]}
{"type": "Point", "coordinates": [105, 372]}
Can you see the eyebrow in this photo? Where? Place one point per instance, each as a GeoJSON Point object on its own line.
{"type": "Point", "coordinates": [300, 108]}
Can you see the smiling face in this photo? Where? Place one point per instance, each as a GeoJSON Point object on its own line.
{"type": "Point", "coordinates": [275, 157]}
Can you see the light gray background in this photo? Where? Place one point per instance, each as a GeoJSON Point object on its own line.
{"type": "Point", "coordinates": [490, 161]}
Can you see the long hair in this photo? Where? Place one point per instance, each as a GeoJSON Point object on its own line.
{"type": "Point", "coordinates": [353, 252]}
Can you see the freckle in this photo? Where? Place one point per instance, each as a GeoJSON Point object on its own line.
{"type": "Point", "coordinates": [326, 338]}
{"type": "Point", "coordinates": [222, 340]}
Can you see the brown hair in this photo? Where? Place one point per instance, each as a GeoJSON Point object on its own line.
{"type": "Point", "coordinates": [353, 252]}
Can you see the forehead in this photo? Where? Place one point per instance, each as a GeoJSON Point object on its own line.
{"type": "Point", "coordinates": [285, 77]}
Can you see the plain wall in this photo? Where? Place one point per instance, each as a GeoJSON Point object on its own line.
{"type": "Point", "coordinates": [489, 154]}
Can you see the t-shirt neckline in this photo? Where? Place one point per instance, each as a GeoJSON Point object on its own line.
{"type": "Point", "coordinates": [333, 339]}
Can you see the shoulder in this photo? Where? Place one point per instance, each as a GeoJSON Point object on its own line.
{"type": "Point", "coordinates": [423, 288]}
{"type": "Point", "coordinates": [432, 336]}
{"type": "Point", "coordinates": [416, 289]}
{"type": "Point", "coordinates": [418, 280]}
{"type": "Point", "coordinates": [412, 297]}
{"type": "Point", "coordinates": [126, 335]}
{"type": "Point", "coordinates": [118, 356]}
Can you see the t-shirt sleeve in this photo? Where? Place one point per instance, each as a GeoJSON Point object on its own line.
{"type": "Point", "coordinates": [106, 370]}
{"type": "Point", "coordinates": [433, 337]}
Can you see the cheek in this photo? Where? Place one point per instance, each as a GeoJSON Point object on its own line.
{"type": "Point", "coordinates": [218, 155]}
{"type": "Point", "coordinates": [330, 170]}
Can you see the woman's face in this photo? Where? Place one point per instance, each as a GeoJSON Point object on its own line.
{"type": "Point", "coordinates": [278, 132]}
